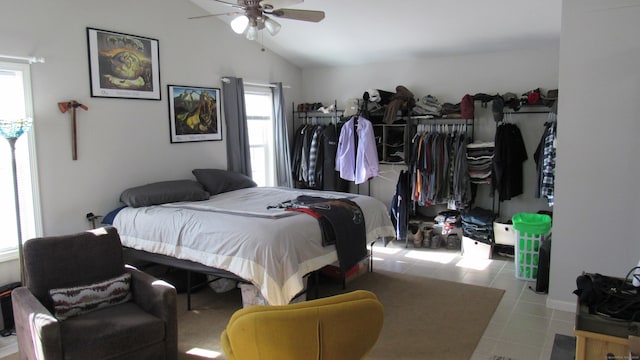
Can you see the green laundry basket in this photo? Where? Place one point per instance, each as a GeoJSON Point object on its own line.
{"type": "Point", "coordinates": [530, 231]}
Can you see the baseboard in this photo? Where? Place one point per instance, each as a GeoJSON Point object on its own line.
{"type": "Point", "coordinates": [8, 349]}
{"type": "Point", "coordinates": [569, 306]}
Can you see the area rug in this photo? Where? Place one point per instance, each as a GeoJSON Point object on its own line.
{"type": "Point", "coordinates": [424, 318]}
{"type": "Point", "coordinates": [564, 347]}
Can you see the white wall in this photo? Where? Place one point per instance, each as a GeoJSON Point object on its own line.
{"type": "Point", "coordinates": [598, 203]}
{"type": "Point", "coordinates": [121, 142]}
{"type": "Point", "coordinates": [596, 68]}
{"type": "Point", "coordinates": [449, 79]}
{"type": "Point", "coordinates": [124, 143]}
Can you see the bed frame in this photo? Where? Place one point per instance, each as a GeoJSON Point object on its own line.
{"type": "Point", "coordinates": [132, 256]}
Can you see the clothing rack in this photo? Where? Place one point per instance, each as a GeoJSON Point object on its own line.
{"type": "Point", "coordinates": [310, 116]}
{"type": "Point", "coordinates": [447, 123]}
{"type": "Point", "coordinates": [435, 128]}
{"type": "Point", "coordinates": [527, 112]}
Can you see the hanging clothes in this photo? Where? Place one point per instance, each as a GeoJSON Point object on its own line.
{"type": "Point", "coordinates": [314, 148]}
{"type": "Point", "coordinates": [357, 155]}
{"type": "Point", "coordinates": [313, 157]}
{"type": "Point", "coordinates": [330, 178]}
{"type": "Point", "coordinates": [510, 154]}
{"type": "Point", "coordinates": [401, 205]}
{"type": "Point", "coordinates": [296, 153]}
{"type": "Point", "coordinates": [439, 169]}
{"type": "Point", "coordinates": [545, 158]}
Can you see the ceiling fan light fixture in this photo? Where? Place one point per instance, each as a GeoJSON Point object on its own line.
{"type": "Point", "coordinates": [239, 24]}
{"type": "Point", "coordinates": [272, 26]}
{"type": "Point", "coordinates": [252, 32]}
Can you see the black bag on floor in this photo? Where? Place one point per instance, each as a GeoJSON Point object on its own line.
{"type": "Point", "coordinates": [7, 307]}
{"type": "Point", "coordinates": [544, 260]}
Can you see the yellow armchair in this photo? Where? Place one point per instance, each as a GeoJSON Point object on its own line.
{"type": "Point", "coordinates": [339, 327]}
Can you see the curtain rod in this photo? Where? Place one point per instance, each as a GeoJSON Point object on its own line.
{"type": "Point", "coordinates": [29, 59]}
{"type": "Point", "coordinates": [226, 80]}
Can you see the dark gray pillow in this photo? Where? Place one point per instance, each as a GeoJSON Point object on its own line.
{"type": "Point", "coordinates": [164, 192]}
{"type": "Point", "coordinates": [217, 181]}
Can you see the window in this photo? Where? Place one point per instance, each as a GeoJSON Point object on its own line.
{"type": "Point", "coordinates": [259, 106]}
{"type": "Point", "coordinates": [15, 92]}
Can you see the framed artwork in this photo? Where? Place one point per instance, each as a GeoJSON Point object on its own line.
{"type": "Point", "coordinates": [194, 113]}
{"type": "Point", "coordinates": [123, 66]}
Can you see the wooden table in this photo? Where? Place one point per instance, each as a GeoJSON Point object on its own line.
{"type": "Point", "coordinates": [596, 346]}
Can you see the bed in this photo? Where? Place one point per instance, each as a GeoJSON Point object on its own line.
{"type": "Point", "coordinates": [244, 233]}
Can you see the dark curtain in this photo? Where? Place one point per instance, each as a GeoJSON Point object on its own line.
{"type": "Point", "coordinates": [282, 155]}
{"type": "Point", "coordinates": [238, 155]}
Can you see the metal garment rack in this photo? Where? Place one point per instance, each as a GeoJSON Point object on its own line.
{"type": "Point", "coordinates": [496, 197]}
{"type": "Point", "coordinates": [442, 124]}
{"type": "Point", "coordinates": [335, 114]}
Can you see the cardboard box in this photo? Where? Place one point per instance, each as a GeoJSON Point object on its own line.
{"type": "Point", "coordinates": [475, 249]}
{"type": "Point", "coordinates": [251, 295]}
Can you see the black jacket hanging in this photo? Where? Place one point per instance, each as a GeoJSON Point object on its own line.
{"type": "Point", "coordinates": [401, 205]}
{"type": "Point", "coordinates": [509, 155]}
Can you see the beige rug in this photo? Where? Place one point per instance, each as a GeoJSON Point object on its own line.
{"type": "Point", "coordinates": [424, 318]}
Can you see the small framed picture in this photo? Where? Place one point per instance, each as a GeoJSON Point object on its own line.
{"type": "Point", "coordinates": [194, 113]}
{"type": "Point", "coordinates": [123, 66]}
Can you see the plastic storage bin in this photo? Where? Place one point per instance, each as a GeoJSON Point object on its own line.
{"type": "Point", "coordinates": [503, 233]}
{"type": "Point", "coordinates": [530, 231]}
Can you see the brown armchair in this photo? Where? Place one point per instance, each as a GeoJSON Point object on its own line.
{"type": "Point", "coordinates": [143, 325]}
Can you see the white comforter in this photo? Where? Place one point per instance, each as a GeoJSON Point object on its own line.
{"type": "Point", "coordinates": [235, 231]}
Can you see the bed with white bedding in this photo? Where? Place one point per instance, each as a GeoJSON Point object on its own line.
{"type": "Point", "coordinates": [244, 233]}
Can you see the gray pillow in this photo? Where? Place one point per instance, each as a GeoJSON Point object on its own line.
{"type": "Point", "coordinates": [217, 181]}
{"type": "Point", "coordinates": [164, 192]}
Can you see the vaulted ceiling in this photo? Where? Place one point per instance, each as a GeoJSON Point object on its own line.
{"type": "Point", "coordinates": [367, 31]}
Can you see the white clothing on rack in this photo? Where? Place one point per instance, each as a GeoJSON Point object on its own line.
{"type": "Point", "coordinates": [361, 163]}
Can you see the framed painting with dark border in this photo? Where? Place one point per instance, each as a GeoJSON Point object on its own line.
{"type": "Point", "coordinates": [123, 66]}
{"type": "Point", "coordinates": [194, 113]}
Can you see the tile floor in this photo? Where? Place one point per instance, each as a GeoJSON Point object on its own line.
{"type": "Point", "coordinates": [522, 328]}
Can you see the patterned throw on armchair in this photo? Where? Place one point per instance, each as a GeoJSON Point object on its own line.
{"type": "Point", "coordinates": [339, 327]}
{"type": "Point", "coordinates": [80, 301]}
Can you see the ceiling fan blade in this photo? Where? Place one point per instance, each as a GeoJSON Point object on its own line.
{"type": "Point", "coordinates": [212, 15]}
{"type": "Point", "coordinates": [238, 4]}
{"type": "Point", "coordinates": [305, 15]}
{"type": "Point", "coordinates": [276, 4]}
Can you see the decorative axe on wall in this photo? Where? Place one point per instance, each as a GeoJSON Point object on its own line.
{"type": "Point", "coordinates": [73, 105]}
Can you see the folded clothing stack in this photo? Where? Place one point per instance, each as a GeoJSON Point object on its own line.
{"type": "Point", "coordinates": [477, 224]}
{"type": "Point", "coordinates": [480, 162]}
{"type": "Point", "coordinates": [428, 105]}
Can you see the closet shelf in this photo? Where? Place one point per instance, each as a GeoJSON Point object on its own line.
{"type": "Point", "coordinates": [318, 113]}
{"type": "Point", "coordinates": [334, 115]}
{"type": "Point", "coordinates": [437, 118]}
{"type": "Point", "coordinates": [526, 112]}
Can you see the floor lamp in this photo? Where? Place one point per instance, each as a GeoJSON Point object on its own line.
{"type": "Point", "coordinates": [12, 130]}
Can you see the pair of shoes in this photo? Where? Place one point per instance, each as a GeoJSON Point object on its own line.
{"type": "Point", "coordinates": [399, 154]}
{"type": "Point", "coordinates": [417, 238]}
{"type": "Point", "coordinates": [305, 107]}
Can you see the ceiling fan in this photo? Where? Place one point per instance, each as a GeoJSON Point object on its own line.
{"type": "Point", "coordinates": [255, 15]}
